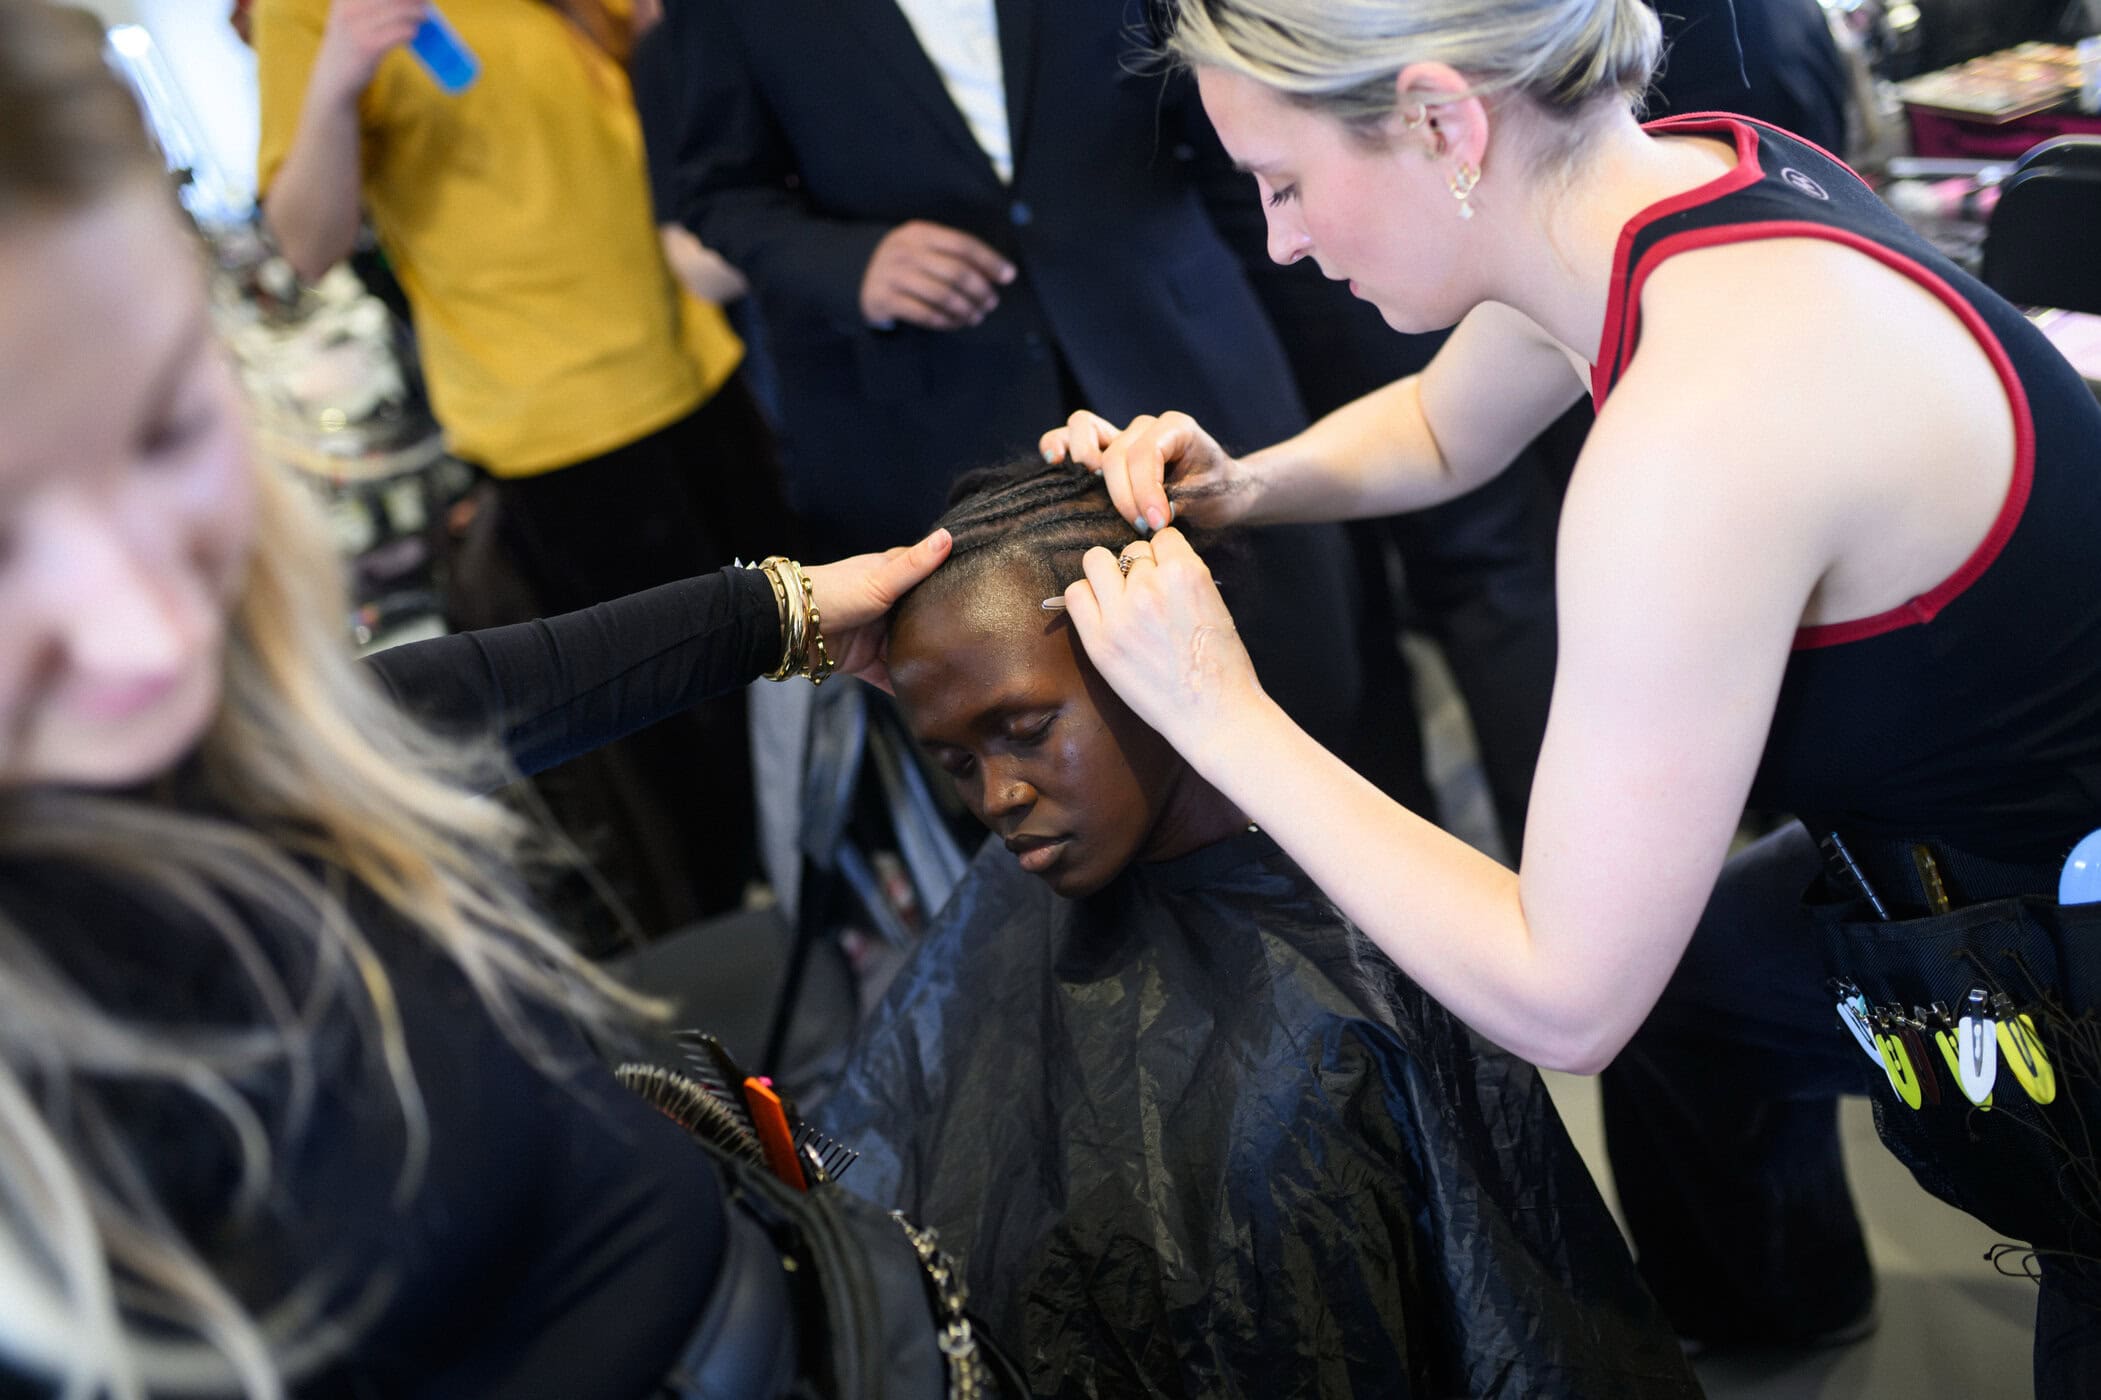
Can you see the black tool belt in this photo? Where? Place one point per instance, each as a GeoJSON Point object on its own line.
{"type": "Point", "coordinates": [820, 1295]}
{"type": "Point", "coordinates": [1893, 869]}
{"type": "Point", "coordinates": [746, 1342]}
{"type": "Point", "coordinates": [1948, 967]}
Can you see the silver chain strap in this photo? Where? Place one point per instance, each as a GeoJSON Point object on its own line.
{"type": "Point", "coordinates": [968, 1376]}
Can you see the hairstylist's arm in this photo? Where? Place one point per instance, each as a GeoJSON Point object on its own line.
{"type": "Point", "coordinates": [1679, 594]}
{"type": "Point", "coordinates": [311, 203]}
{"type": "Point", "coordinates": [1496, 385]}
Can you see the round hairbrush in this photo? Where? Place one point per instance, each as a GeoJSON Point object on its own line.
{"type": "Point", "coordinates": [695, 1109]}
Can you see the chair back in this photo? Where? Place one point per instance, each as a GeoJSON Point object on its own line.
{"type": "Point", "coordinates": [2043, 247]}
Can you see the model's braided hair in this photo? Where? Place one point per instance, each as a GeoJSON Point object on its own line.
{"type": "Point", "coordinates": [1032, 515]}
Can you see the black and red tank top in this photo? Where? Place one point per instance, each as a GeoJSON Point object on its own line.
{"type": "Point", "coordinates": [1972, 713]}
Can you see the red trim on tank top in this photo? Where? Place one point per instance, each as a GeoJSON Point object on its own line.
{"type": "Point", "coordinates": [1928, 605]}
{"type": "Point", "coordinates": [1804, 140]}
{"type": "Point", "coordinates": [1746, 172]}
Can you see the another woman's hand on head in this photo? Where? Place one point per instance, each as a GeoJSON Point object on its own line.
{"type": "Point", "coordinates": [854, 598]}
{"type": "Point", "coordinates": [1137, 461]}
{"type": "Point", "coordinates": [1159, 633]}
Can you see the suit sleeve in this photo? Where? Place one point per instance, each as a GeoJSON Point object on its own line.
{"type": "Point", "coordinates": [721, 166]}
{"type": "Point", "coordinates": [562, 686]}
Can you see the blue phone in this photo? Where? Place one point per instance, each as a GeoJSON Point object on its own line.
{"type": "Point", "coordinates": [451, 64]}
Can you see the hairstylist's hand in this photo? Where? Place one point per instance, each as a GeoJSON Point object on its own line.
{"type": "Point", "coordinates": [1162, 638]}
{"type": "Point", "coordinates": [1137, 461]}
{"type": "Point", "coordinates": [854, 598]}
{"type": "Point", "coordinates": [933, 276]}
{"type": "Point", "coordinates": [358, 35]}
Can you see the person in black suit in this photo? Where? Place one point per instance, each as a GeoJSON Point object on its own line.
{"type": "Point", "coordinates": [1793, 73]}
{"type": "Point", "coordinates": [933, 303]}
{"type": "Point", "coordinates": [962, 220]}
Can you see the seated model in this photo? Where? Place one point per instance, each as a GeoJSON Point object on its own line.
{"type": "Point", "coordinates": [1186, 1129]}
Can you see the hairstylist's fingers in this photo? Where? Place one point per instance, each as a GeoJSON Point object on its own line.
{"type": "Point", "coordinates": [877, 671]}
{"type": "Point", "coordinates": [1116, 471]}
{"type": "Point", "coordinates": [1081, 440]}
{"type": "Point", "coordinates": [907, 566]}
{"type": "Point", "coordinates": [1103, 571]}
{"type": "Point", "coordinates": [1153, 455]}
{"type": "Point", "coordinates": [1084, 608]}
{"type": "Point", "coordinates": [857, 591]}
{"type": "Point", "coordinates": [1171, 547]}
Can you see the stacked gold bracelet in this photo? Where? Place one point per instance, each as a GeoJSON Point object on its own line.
{"type": "Point", "coordinates": [803, 652]}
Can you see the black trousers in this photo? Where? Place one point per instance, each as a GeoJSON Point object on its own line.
{"type": "Point", "coordinates": [680, 501]}
{"type": "Point", "coordinates": [1721, 1121]}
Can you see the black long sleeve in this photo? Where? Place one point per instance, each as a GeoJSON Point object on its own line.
{"type": "Point", "coordinates": [562, 1237]}
{"type": "Point", "coordinates": [562, 686]}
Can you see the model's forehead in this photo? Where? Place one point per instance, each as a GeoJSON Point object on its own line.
{"type": "Point", "coordinates": [977, 648]}
{"type": "Point", "coordinates": [994, 609]}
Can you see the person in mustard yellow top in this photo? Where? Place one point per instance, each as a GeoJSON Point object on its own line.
{"type": "Point", "coordinates": [562, 355]}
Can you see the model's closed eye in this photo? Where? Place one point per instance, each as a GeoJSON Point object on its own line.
{"type": "Point", "coordinates": [1029, 730]}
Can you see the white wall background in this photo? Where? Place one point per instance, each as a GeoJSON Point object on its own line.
{"type": "Point", "coordinates": [212, 76]}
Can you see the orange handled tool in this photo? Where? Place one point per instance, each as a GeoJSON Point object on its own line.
{"type": "Point", "coordinates": [771, 1121]}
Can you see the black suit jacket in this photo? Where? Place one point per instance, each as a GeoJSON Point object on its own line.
{"type": "Point", "coordinates": [791, 135]}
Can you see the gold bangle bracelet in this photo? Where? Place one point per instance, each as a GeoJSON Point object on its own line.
{"type": "Point", "coordinates": [802, 626]}
{"type": "Point", "coordinates": [823, 665]}
{"type": "Point", "coordinates": [788, 617]}
{"type": "Point", "coordinates": [790, 574]}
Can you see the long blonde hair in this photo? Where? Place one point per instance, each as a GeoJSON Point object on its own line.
{"type": "Point", "coordinates": [309, 784]}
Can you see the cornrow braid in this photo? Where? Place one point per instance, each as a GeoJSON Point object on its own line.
{"type": "Point", "coordinates": [1034, 516]}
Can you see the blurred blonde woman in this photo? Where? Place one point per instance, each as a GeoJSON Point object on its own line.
{"type": "Point", "coordinates": [292, 1096]}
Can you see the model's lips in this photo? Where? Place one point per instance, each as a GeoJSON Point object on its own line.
{"type": "Point", "coordinates": [1038, 853]}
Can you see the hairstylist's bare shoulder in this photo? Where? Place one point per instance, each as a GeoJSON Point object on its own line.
{"type": "Point", "coordinates": [1724, 427]}
{"type": "Point", "coordinates": [1849, 374]}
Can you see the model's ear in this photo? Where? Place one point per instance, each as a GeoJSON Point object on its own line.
{"type": "Point", "coordinates": [1435, 107]}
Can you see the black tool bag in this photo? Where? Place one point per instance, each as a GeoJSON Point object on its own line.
{"type": "Point", "coordinates": [820, 1294]}
{"type": "Point", "coordinates": [2029, 1170]}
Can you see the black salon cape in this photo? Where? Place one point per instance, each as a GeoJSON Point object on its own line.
{"type": "Point", "coordinates": [1193, 1136]}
